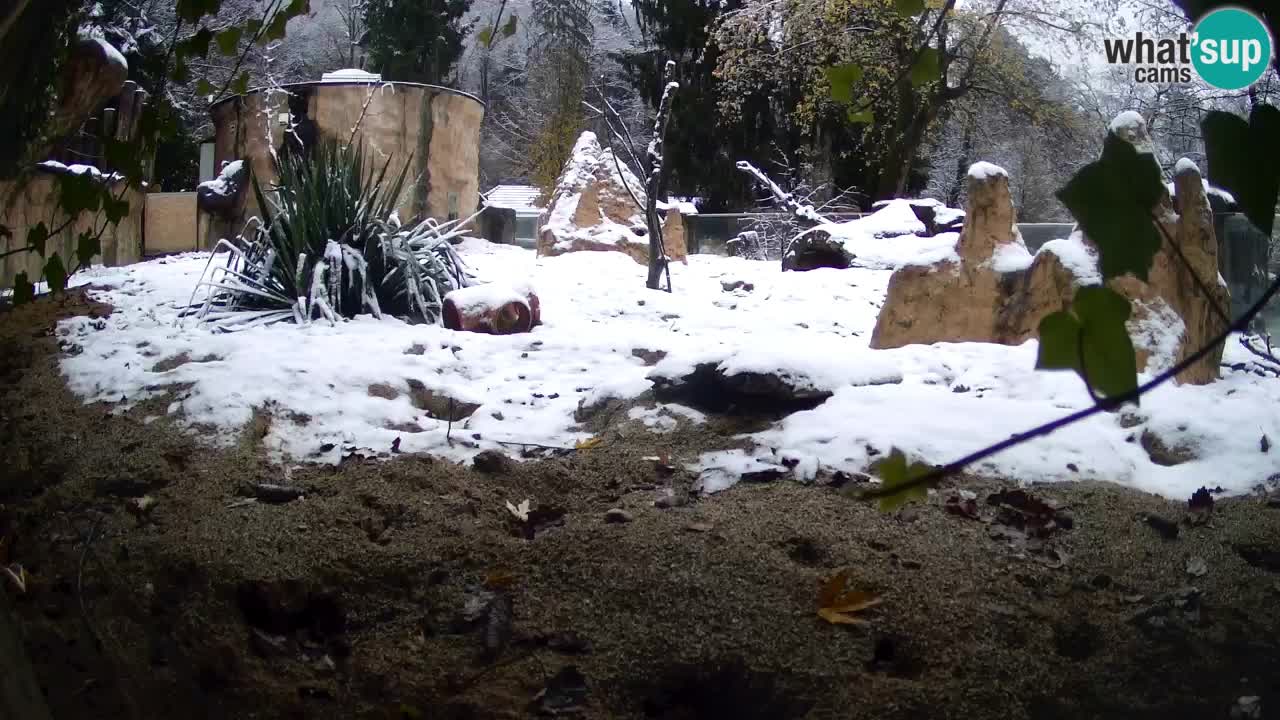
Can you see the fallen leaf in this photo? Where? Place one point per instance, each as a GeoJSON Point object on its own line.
{"type": "Point", "coordinates": [521, 511]}
{"type": "Point", "coordinates": [588, 444]}
{"type": "Point", "coordinates": [17, 575]}
{"type": "Point", "coordinates": [1265, 444]}
{"type": "Point", "coordinates": [837, 603]}
{"type": "Point", "coordinates": [499, 579]}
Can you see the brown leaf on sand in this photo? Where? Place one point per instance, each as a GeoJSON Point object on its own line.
{"type": "Point", "coordinates": [837, 602]}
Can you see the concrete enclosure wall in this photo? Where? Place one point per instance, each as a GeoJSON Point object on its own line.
{"type": "Point", "coordinates": [435, 130]}
{"type": "Point", "coordinates": [171, 223]}
{"type": "Point", "coordinates": [33, 200]}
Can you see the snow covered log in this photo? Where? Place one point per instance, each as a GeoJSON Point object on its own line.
{"type": "Point", "coordinates": [492, 308]}
{"type": "Point", "coordinates": [992, 290]}
{"type": "Point", "coordinates": [221, 196]}
{"type": "Point", "coordinates": [936, 216]}
{"type": "Point", "coordinates": [836, 245]}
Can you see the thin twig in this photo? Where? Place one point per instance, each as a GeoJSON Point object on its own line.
{"type": "Point", "coordinates": [84, 553]}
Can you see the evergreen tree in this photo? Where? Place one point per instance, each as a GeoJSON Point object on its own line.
{"type": "Point", "coordinates": [702, 144]}
{"type": "Point", "coordinates": [415, 40]}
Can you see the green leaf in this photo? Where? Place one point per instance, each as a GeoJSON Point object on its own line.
{"type": "Point", "coordinates": [197, 45]}
{"type": "Point", "coordinates": [79, 193]}
{"type": "Point", "coordinates": [37, 237]}
{"type": "Point", "coordinates": [115, 210]}
{"type": "Point", "coordinates": [926, 68]}
{"type": "Point", "coordinates": [229, 40]}
{"type": "Point", "coordinates": [276, 28]}
{"type": "Point", "coordinates": [841, 79]}
{"type": "Point", "coordinates": [181, 72]}
{"type": "Point", "coordinates": [1112, 199]}
{"type": "Point", "coordinates": [1233, 147]}
{"type": "Point", "coordinates": [204, 87]}
{"type": "Point", "coordinates": [23, 289]}
{"type": "Point", "coordinates": [486, 37]}
{"type": "Point", "coordinates": [1110, 362]}
{"type": "Point", "coordinates": [894, 472]}
{"type": "Point", "coordinates": [55, 273]}
{"type": "Point", "coordinates": [909, 8]}
{"type": "Point", "coordinates": [87, 247]}
{"type": "Point", "coordinates": [192, 10]}
{"type": "Point", "coordinates": [1092, 340]}
{"type": "Point", "coordinates": [510, 28]}
{"type": "Point", "coordinates": [1059, 342]}
{"type": "Point", "coordinates": [241, 84]}
{"type": "Point", "coordinates": [297, 7]}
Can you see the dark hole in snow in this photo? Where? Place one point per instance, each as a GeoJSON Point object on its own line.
{"type": "Point", "coordinates": [709, 390]}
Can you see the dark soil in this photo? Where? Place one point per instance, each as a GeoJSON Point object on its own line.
{"type": "Point", "coordinates": [405, 589]}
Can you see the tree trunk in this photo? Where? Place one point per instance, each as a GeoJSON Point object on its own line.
{"type": "Point", "coordinates": [655, 184]}
{"type": "Point", "coordinates": [20, 695]}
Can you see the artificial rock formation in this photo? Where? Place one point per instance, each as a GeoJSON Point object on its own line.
{"type": "Point", "coordinates": [594, 207]}
{"type": "Point", "coordinates": [993, 291]}
{"type": "Point", "coordinates": [962, 297]}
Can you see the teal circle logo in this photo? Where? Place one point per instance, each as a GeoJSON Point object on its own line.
{"type": "Point", "coordinates": [1231, 48]}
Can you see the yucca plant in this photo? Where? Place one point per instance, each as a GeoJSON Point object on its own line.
{"type": "Point", "coordinates": [330, 244]}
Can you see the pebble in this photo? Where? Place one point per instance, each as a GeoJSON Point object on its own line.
{"type": "Point", "coordinates": [618, 515]}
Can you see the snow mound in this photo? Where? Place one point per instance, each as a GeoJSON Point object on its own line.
{"type": "Point", "coordinates": [983, 170]}
{"type": "Point", "coordinates": [1077, 256]}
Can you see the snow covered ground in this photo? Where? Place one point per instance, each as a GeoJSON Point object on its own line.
{"type": "Point", "coordinates": [935, 403]}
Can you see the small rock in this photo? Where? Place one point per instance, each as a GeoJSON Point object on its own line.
{"type": "Point", "coordinates": [1167, 528]}
{"type": "Point", "coordinates": [272, 493]}
{"type": "Point", "coordinates": [1265, 444]}
{"type": "Point", "coordinates": [618, 515]}
{"type": "Point", "coordinates": [563, 695]}
{"type": "Point", "coordinates": [1197, 567]}
{"type": "Point", "coordinates": [492, 462]}
{"type": "Point", "coordinates": [1101, 582]}
{"type": "Point", "coordinates": [264, 645]}
{"type": "Point", "coordinates": [699, 527]}
{"type": "Point", "coordinates": [1248, 707]}
{"type": "Point", "coordinates": [670, 501]}
{"type": "Point", "coordinates": [569, 643]}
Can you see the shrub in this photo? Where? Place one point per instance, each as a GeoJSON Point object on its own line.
{"type": "Point", "coordinates": [330, 244]}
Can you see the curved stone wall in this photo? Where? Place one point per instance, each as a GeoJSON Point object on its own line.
{"type": "Point", "coordinates": [436, 130]}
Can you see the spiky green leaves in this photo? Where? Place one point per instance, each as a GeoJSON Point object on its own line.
{"type": "Point", "coordinates": [1091, 339]}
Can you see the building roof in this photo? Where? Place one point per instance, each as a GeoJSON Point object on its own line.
{"type": "Point", "coordinates": [516, 197]}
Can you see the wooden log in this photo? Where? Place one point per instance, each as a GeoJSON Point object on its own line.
{"type": "Point", "coordinates": [124, 105]}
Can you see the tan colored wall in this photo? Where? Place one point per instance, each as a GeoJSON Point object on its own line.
{"type": "Point", "coordinates": [35, 201]}
{"type": "Point", "coordinates": [436, 130]}
{"type": "Point", "coordinates": [170, 223]}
